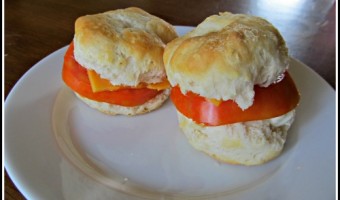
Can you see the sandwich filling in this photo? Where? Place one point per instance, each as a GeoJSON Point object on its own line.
{"type": "Point", "coordinates": [89, 84]}
{"type": "Point", "coordinates": [275, 100]}
{"type": "Point", "coordinates": [99, 84]}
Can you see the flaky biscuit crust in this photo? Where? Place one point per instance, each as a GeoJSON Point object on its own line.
{"type": "Point", "coordinates": [225, 56]}
{"type": "Point", "coordinates": [124, 46]}
{"type": "Point", "coordinates": [244, 143]}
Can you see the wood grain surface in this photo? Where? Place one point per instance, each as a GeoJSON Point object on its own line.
{"type": "Point", "coordinates": [36, 28]}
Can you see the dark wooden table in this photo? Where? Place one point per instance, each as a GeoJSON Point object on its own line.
{"type": "Point", "coordinates": [36, 28]}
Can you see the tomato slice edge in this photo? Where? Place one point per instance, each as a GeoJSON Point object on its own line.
{"type": "Point", "coordinates": [75, 76]}
{"type": "Point", "coordinates": [272, 101]}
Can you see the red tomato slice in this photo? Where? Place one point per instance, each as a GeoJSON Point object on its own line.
{"type": "Point", "coordinates": [273, 101]}
{"type": "Point", "coordinates": [75, 76]}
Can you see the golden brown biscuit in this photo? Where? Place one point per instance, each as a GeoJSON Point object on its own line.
{"type": "Point", "coordinates": [245, 143]}
{"type": "Point", "coordinates": [225, 56]}
{"type": "Point", "coordinates": [112, 109]}
{"type": "Point", "coordinates": [124, 46]}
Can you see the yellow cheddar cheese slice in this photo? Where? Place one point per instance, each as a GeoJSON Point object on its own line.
{"type": "Point", "coordinates": [99, 84]}
{"type": "Point", "coordinates": [159, 86]}
{"type": "Point", "coordinates": [215, 101]}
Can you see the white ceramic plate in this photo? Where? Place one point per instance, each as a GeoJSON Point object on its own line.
{"type": "Point", "coordinates": [58, 148]}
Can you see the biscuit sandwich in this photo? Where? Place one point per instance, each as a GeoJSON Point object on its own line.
{"type": "Point", "coordinates": [115, 61]}
{"type": "Point", "coordinates": [234, 96]}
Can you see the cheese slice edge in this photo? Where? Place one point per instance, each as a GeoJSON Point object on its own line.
{"type": "Point", "coordinates": [99, 84]}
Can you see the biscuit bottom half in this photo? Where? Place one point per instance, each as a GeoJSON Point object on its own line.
{"type": "Point", "coordinates": [112, 109]}
{"type": "Point", "coordinates": [244, 143]}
